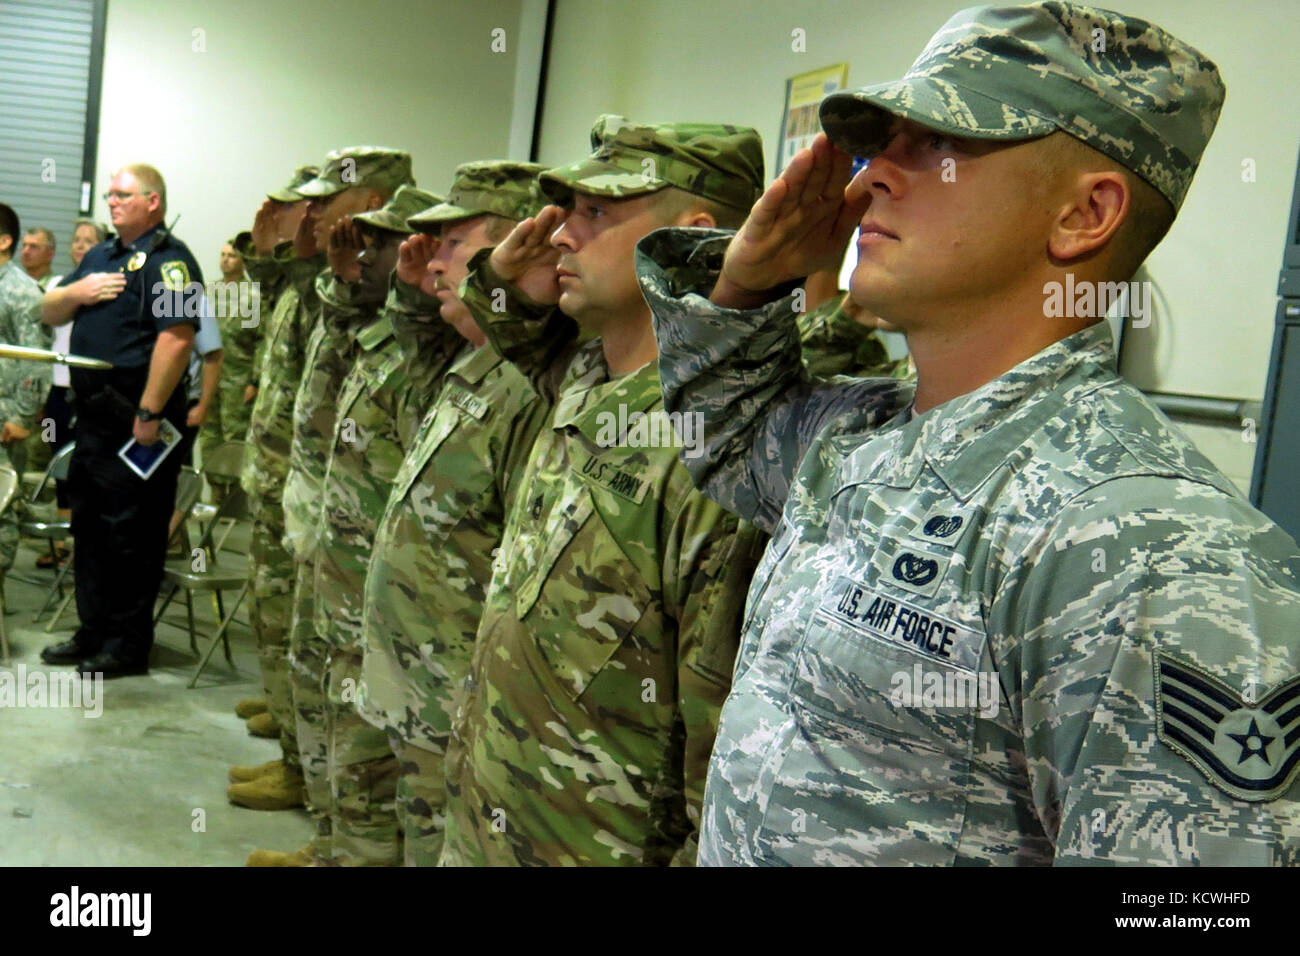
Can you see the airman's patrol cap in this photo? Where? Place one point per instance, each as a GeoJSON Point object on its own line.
{"type": "Point", "coordinates": [406, 202]}
{"type": "Point", "coordinates": [500, 187]}
{"type": "Point", "coordinates": [373, 166]}
{"type": "Point", "coordinates": [721, 163]}
{"type": "Point", "coordinates": [1120, 84]}
{"type": "Point", "coordinates": [290, 192]}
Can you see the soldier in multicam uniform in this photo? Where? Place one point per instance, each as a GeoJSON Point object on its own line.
{"type": "Point", "coordinates": [233, 297]}
{"type": "Point", "coordinates": [285, 270]}
{"type": "Point", "coordinates": [372, 426]}
{"type": "Point", "coordinates": [1031, 530]}
{"type": "Point", "coordinates": [611, 621]}
{"type": "Point", "coordinates": [443, 521]}
{"type": "Point", "coordinates": [308, 347]}
{"type": "Point", "coordinates": [265, 250]}
{"type": "Point", "coordinates": [353, 180]}
{"type": "Point", "coordinates": [22, 384]}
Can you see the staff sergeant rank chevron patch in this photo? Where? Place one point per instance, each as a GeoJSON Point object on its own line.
{"type": "Point", "coordinates": [1250, 751]}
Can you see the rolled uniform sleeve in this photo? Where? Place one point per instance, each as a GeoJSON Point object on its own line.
{"type": "Point", "coordinates": [537, 339]}
{"type": "Point", "coordinates": [743, 372]}
{"type": "Point", "coordinates": [1156, 675]}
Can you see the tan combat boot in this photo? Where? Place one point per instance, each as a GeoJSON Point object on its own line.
{"type": "Point", "coordinates": [303, 857]}
{"type": "Point", "coordinates": [263, 725]}
{"type": "Point", "coordinates": [240, 774]}
{"type": "Point", "coordinates": [250, 707]}
{"type": "Point", "coordinates": [280, 789]}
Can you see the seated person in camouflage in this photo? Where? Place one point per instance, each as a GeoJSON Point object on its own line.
{"type": "Point", "coordinates": [1026, 622]}
{"type": "Point", "coordinates": [443, 521]}
{"type": "Point", "coordinates": [611, 621]}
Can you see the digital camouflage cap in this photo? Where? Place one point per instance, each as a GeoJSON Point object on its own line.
{"type": "Point", "coordinates": [721, 163]}
{"type": "Point", "coordinates": [290, 192]}
{"type": "Point", "coordinates": [1120, 84]}
{"type": "Point", "coordinates": [372, 166]}
{"type": "Point", "coordinates": [406, 202]}
{"type": "Point", "coordinates": [500, 187]}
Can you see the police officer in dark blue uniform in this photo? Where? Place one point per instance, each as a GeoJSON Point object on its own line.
{"type": "Point", "coordinates": [135, 302]}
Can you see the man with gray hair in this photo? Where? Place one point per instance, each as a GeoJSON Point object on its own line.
{"type": "Point", "coordinates": [38, 254]}
{"type": "Point", "coordinates": [130, 304]}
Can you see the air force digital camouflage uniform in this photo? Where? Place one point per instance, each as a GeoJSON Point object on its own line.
{"type": "Point", "coordinates": [611, 621]}
{"type": "Point", "coordinates": [1122, 625]}
{"type": "Point", "coordinates": [372, 428]}
{"type": "Point", "coordinates": [444, 518]}
{"type": "Point", "coordinates": [23, 385]}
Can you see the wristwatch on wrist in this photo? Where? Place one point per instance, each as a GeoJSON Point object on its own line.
{"type": "Point", "coordinates": [145, 415]}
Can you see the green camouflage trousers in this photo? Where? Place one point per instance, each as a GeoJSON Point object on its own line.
{"type": "Point", "coordinates": [307, 667]}
{"type": "Point", "coordinates": [421, 806]}
{"type": "Point", "coordinates": [270, 570]}
{"type": "Point", "coordinates": [363, 774]}
{"type": "Point", "coordinates": [15, 458]}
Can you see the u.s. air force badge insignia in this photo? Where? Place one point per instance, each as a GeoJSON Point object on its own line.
{"type": "Point", "coordinates": [135, 262]}
{"type": "Point", "coordinates": [175, 275]}
{"type": "Point", "coordinates": [1248, 749]}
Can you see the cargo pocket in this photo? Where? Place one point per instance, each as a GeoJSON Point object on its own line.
{"type": "Point", "coordinates": [871, 772]}
{"type": "Point", "coordinates": [591, 597]}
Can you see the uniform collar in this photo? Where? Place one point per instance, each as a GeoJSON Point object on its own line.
{"type": "Point", "coordinates": [472, 363]}
{"type": "Point", "coordinates": [968, 438]}
{"type": "Point", "coordinates": [375, 334]}
{"type": "Point", "coordinates": [590, 393]}
{"type": "Point", "coordinates": [141, 241]}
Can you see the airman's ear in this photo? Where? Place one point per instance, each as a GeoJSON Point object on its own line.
{"type": "Point", "coordinates": [1093, 210]}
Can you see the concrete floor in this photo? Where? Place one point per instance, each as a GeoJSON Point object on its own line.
{"type": "Point", "coordinates": [143, 784]}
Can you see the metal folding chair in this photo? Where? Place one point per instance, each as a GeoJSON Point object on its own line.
{"type": "Point", "coordinates": [41, 520]}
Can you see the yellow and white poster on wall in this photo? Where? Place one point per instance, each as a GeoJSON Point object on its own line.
{"type": "Point", "coordinates": [803, 94]}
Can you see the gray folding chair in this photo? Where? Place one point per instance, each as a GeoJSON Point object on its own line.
{"type": "Point", "coordinates": [41, 520]}
{"type": "Point", "coordinates": [222, 465]}
{"type": "Point", "coordinates": [9, 482]}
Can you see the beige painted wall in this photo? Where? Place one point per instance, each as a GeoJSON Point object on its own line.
{"type": "Point", "coordinates": [1216, 272]}
{"type": "Point", "coordinates": [280, 83]}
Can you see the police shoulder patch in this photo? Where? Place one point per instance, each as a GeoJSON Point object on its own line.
{"type": "Point", "coordinates": [1249, 749]}
{"type": "Point", "coordinates": [175, 275]}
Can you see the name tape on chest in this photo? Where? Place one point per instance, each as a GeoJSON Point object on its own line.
{"type": "Point", "coordinates": [609, 476]}
{"type": "Point", "coordinates": [902, 624]}
{"type": "Point", "coordinates": [467, 402]}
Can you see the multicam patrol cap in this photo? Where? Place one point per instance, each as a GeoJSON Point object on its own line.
{"type": "Point", "coordinates": [406, 202]}
{"type": "Point", "coordinates": [497, 186]}
{"type": "Point", "coordinates": [290, 192]}
{"type": "Point", "coordinates": [1122, 85]}
{"type": "Point", "coordinates": [721, 163]}
{"type": "Point", "coordinates": [373, 166]}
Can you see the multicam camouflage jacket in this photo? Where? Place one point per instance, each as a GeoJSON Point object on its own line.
{"type": "Point", "coordinates": [330, 353]}
{"type": "Point", "coordinates": [834, 344]}
{"type": "Point", "coordinates": [270, 430]}
{"type": "Point", "coordinates": [1030, 626]}
{"type": "Point", "coordinates": [435, 543]}
{"type": "Point", "coordinates": [373, 429]}
{"type": "Point", "coordinates": [23, 385]}
{"type": "Point", "coordinates": [609, 630]}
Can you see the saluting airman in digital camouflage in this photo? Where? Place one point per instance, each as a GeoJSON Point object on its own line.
{"type": "Point", "coordinates": [352, 180]}
{"type": "Point", "coordinates": [1025, 622]}
{"type": "Point", "coordinates": [432, 556]}
{"type": "Point", "coordinates": [612, 618]}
